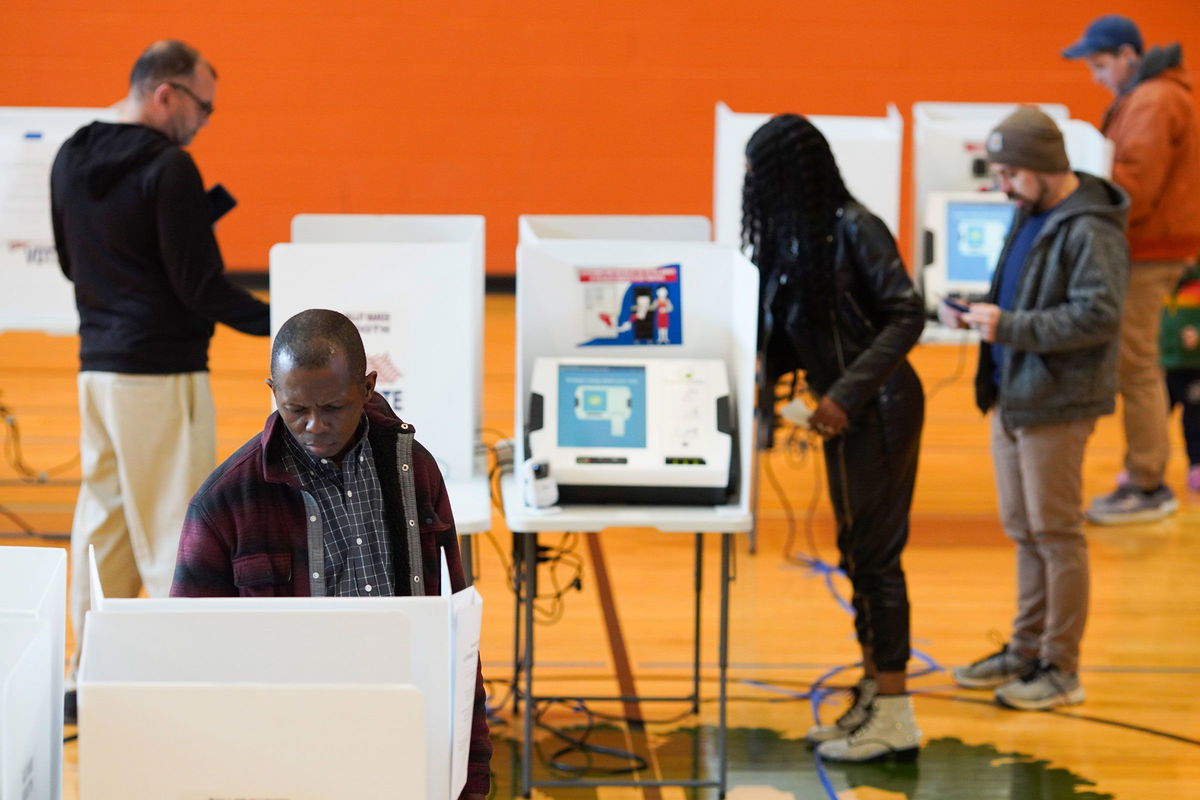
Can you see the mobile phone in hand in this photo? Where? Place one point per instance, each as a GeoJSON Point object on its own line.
{"type": "Point", "coordinates": [957, 304]}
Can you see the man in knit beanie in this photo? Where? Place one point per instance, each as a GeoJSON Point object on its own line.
{"type": "Point", "coordinates": [1047, 371]}
{"type": "Point", "coordinates": [1155, 132]}
{"type": "Point", "coordinates": [1028, 138]}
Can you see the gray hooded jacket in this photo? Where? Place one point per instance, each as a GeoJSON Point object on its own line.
{"type": "Point", "coordinates": [1062, 329]}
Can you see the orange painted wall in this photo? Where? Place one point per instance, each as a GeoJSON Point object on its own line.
{"type": "Point", "coordinates": [503, 108]}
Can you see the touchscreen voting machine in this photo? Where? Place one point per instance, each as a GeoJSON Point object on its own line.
{"type": "Point", "coordinates": [966, 233]}
{"type": "Point", "coordinates": [651, 430]}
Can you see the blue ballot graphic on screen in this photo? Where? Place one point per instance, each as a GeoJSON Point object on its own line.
{"type": "Point", "coordinates": [601, 406]}
{"type": "Point", "coordinates": [976, 232]}
{"type": "Point", "coordinates": [631, 305]}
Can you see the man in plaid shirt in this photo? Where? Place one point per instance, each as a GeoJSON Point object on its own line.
{"type": "Point", "coordinates": [333, 498]}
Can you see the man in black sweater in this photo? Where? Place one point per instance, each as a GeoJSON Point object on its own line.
{"type": "Point", "coordinates": [133, 227]}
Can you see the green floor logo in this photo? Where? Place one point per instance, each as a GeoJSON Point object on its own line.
{"type": "Point", "coordinates": [759, 758]}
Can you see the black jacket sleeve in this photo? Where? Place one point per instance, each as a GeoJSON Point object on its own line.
{"type": "Point", "coordinates": [60, 238]}
{"type": "Point", "coordinates": [897, 311]}
{"type": "Point", "coordinates": [190, 253]}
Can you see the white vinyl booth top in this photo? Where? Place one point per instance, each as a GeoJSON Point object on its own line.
{"type": "Point", "coordinates": [948, 139]}
{"type": "Point", "coordinates": [618, 227]}
{"type": "Point", "coordinates": [414, 285]}
{"type": "Point", "coordinates": [719, 303]}
{"type": "Point", "coordinates": [33, 583]}
{"type": "Point", "coordinates": [867, 151]}
{"type": "Point", "coordinates": [36, 295]}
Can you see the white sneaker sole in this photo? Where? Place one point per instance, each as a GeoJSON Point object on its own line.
{"type": "Point", "coordinates": [1071, 698]}
{"type": "Point", "coordinates": [1132, 517]}
{"type": "Point", "coordinates": [904, 755]}
{"type": "Point", "coordinates": [983, 683]}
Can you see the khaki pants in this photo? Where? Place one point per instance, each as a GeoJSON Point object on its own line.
{"type": "Point", "coordinates": [147, 442]}
{"type": "Point", "coordinates": [1039, 480]}
{"type": "Point", "coordinates": [1145, 413]}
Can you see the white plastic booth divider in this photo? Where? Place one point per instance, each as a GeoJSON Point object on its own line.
{"type": "Point", "coordinates": [719, 306]}
{"type": "Point", "coordinates": [274, 691]}
{"type": "Point", "coordinates": [33, 585]}
{"type": "Point", "coordinates": [36, 296]}
{"type": "Point", "coordinates": [619, 227]}
{"type": "Point", "coordinates": [414, 285]}
{"type": "Point", "coordinates": [949, 155]}
{"type": "Point", "coordinates": [867, 150]}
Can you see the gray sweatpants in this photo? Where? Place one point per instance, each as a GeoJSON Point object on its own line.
{"type": "Point", "coordinates": [1039, 480]}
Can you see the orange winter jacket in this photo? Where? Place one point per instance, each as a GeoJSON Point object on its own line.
{"type": "Point", "coordinates": [1155, 131]}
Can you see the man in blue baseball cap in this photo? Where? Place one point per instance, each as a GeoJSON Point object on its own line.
{"type": "Point", "coordinates": [1109, 34]}
{"type": "Point", "coordinates": [1155, 132]}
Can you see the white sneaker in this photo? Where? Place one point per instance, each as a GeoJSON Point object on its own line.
{"type": "Point", "coordinates": [862, 695]}
{"type": "Point", "coordinates": [1129, 504]}
{"type": "Point", "coordinates": [1041, 689]}
{"type": "Point", "coordinates": [890, 732]}
{"type": "Point", "coordinates": [993, 670]}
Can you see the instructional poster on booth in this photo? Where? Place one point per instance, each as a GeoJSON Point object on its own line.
{"type": "Point", "coordinates": [631, 306]}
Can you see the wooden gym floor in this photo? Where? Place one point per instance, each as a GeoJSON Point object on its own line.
{"type": "Point", "coordinates": [1137, 736]}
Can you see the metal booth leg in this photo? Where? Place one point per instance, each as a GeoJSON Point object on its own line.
{"type": "Point", "coordinates": [518, 583]}
{"type": "Point", "coordinates": [699, 584]}
{"type": "Point", "coordinates": [723, 661]}
{"type": "Point", "coordinates": [530, 569]}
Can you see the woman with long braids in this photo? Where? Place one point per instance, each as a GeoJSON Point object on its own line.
{"type": "Point", "coordinates": [837, 302]}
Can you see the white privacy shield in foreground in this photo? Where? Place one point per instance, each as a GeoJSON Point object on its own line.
{"type": "Point", "coordinates": [276, 691]}
{"type": "Point", "coordinates": [33, 584]}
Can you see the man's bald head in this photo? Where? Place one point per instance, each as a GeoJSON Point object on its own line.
{"type": "Point", "coordinates": [172, 90]}
{"type": "Point", "coordinates": [312, 338]}
{"type": "Point", "coordinates": [166, 60]}
{"type": "Point", "coordinates": [317, 377]}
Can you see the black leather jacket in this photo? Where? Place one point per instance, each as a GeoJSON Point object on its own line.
{"type": "Point", "coordinates": [877, 318]}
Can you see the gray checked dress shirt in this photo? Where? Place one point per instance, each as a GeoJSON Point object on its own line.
{"type": "Point", "coordinates": [358, 550]}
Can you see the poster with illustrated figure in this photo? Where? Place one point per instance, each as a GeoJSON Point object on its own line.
{"type": "Point", "coordinates": [631, 306]}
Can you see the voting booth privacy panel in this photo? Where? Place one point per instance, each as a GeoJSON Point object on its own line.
{"type": "Point", "coordinates": [950, 159]}
{"type": "Point", "coordinates": [617, 227]}
{"type": "Point", "coordinates": [414, 286]}
{"type": "Point", "coordinates": [380, 688]}
{"type": "Point", "coordinates": [36, 295]}
{"type": "Point", "coordinates": [33, 583]}
{"type": "Point", "coordinates": [571, 295]}
{"type": "Point", "coordinates": [867, 151]}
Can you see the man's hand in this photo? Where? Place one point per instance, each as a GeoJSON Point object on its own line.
{"type": "Point", "coordinates": [983, 317]}
{"type": "Point", "coordinates": [950, 316]}
{"type": "Point", "coordinates": [829, 419]}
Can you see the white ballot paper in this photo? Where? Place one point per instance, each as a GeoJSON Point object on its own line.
{"type": "Point", "coordinates": [95, 588]}
{"type": "Point", "coordinates": [466, 613]}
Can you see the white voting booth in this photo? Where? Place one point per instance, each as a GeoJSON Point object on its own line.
{"type": "Point", "coordinates": [331, 698]}
{"type": "Point", "coordinates": [950, 158]}
{"type": "Point", "coordinates": [414, 286]}
{"type": "Point", "coordinates": [36, 295]}
{"type": "Point", "coordinates": [569, 270]}
{"type": "Point", "coordinates": [867, 150]}
{"type": "Point", "coordinates": [33, 584]}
